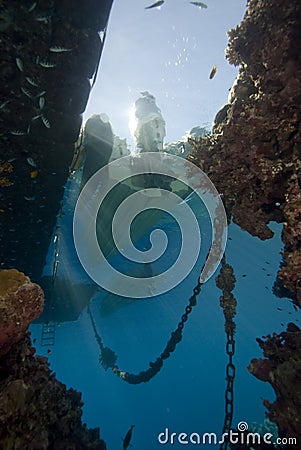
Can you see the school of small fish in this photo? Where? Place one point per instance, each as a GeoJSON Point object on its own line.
{"type": "Point", "coordinates": [30, 89]}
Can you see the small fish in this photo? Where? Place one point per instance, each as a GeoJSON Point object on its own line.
{"type": "Point", "coordinates": [41, 102]}
{"type": "Point", "coordinates": [127, 438]}
{"type": "Point", "coordinates": [36, 117]}
{"type": "Point", "coordinates": [49, 351]}
{"type": "Point", "coordinates": [45, 121]}
{"type": "Point", "coordinates": [40, 94]}
{"type": "Point", "coordinates": [33, 174]}
{"type": "Point", "coordinates": [213, 72]}
{"type": "Point", "coordinates": [46, 64]}
{"type": "Point", "coordinates": [29, 199]}
{"type": "Point", "coordinates": [26, 92]}
{"type": "Point", "coordinates": [19, 64]}
{"type": "Point", "coordinates": [4, 104]}
{"type": "Point", "coordinates": [35, 340]}
{"type": "Point", "coordinates": [32, 7]}
{"type": "Point", "coordinates": [155, 5]}
{"type": "Point", "coordinates": [31, 81]}
{"type": "Point", "coordinates": [17, 133]}
{"type": "Point", "coordinates": [60, 49]}
{"type": "Point", "coordinates": [199, 5]}
{"type": "Point", "coordinates": [45, 19]}
{"type": "Point", "coordinates": [31, 162]}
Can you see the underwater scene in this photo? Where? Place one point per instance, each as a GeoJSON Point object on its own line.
{"type": "Point", "coordinates": [150, 211]}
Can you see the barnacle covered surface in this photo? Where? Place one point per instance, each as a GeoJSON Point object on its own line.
{"type": "Point", "coordinates": [253, 155]}
{"type": "Point", "coordinates": [49, 54]}
{"type": "Point", "coordinates": [281, 367]}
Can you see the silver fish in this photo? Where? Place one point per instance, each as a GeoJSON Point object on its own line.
{"type": "Point", "coordinates": [199, 5]}
{"type": "Point", "coordinates": [45, 19]}
{"type": "Point", "coordinates": [45, 121]}
{"type": "Point", "coordinates": [17, 133]}
{"type": "Point", "coordinates": [60, 49]}
{"type": "Point", "coordinates": [32, 7]}
{"type": "Point", "coordinates": [155, 5]}
{"type": "Point", "coordinates": [40, 94]}
{"type": "Point", "coordinates": [46, 64]}
{"type": "Point", "coordinates": [31, 81]}
{"type": "Point", "coordinates": [36, 117]}
{"type": "Point", "coordinates": [26, 92]}
{"type": "Point", "coordinates": [31, 162]}
{"type": "Point", "coordinates": [41, 102]}
{"type": "Point", "coordinates": [19, 64]}
{"type": "Point", "coordinates": [4, 104]}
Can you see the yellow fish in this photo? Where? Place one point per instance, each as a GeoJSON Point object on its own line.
{"type": "Point", "coordinates": [213, 72]}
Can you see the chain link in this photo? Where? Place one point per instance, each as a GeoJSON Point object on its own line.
{"type": "Point", "coordinates": [226, 282]}
{"type": "Point", "coordinates": [108, 358]}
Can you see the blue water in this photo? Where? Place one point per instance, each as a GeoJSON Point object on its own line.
{"type": "Point", "coordinates": [187, 395]}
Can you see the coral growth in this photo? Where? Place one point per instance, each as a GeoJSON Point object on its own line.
{"type": "Point", "coordinates": [5, 167]}
{"type": "Point", "coordinates": [21, 301]}
{"type": "Point", "coordinates": [282, 369]}
{"type": "Point", "coordinates": [253, 154]}
{"type": "Point", "coordinates": [36, 410]}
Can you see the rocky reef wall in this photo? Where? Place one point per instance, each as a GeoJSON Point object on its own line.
{"type": "Point", "coordinates": [50, 52]}
{"type": "Point", "coordinates": [281, 367]}
{"type": "Point", "coordinates": [253, 154]}
{"type": "Point", "coordinates": [36, 410]}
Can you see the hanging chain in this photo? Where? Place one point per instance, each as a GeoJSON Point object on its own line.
{"type": "Point", "coordinates": [226, 282]}
{"type": "Point", "coordinates": [108, 357]}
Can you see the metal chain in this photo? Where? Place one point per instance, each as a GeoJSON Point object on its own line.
{"type": "Point", "coordinates": [108, 358]}
{"type": "Point", "coordinates": [226, 282]}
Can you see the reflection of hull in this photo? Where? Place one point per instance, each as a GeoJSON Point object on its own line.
{"type": "Point", "coordinates": [143, 222]}
{"type": "Point", "coordinates": [111, 303]}
{"type": "Point", "coordinates": [65, 299]}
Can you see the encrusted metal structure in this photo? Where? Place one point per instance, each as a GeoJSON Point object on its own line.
{"type": "Point", "coordinates": [50, 52]}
